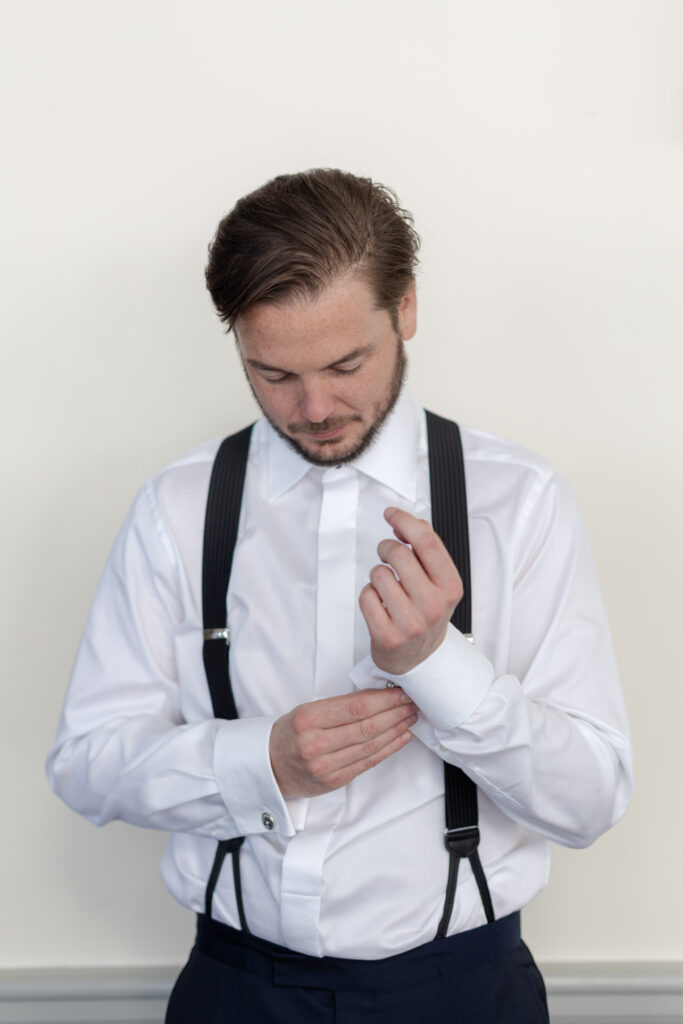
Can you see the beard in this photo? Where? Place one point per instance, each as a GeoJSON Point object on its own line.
{"type": "Point", "coordinates": [321, 458]}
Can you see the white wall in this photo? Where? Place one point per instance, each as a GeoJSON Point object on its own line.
{"type": "Point", "coordinates": [538, 143]}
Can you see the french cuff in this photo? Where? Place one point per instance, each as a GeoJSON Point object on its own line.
{"type": "Point", "coordinates": [447, 686]}
{"type": "Point", "coordinates": [241, 763]}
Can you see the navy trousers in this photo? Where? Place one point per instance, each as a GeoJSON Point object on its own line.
{"type": "Point", "coordinates": [484, 976]}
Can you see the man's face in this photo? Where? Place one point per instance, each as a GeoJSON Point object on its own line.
{"type": "Point", "coordinates": [326, 371]}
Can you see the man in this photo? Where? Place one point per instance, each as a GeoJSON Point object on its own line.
{"type": "Point", "coordinates": [351, 683]}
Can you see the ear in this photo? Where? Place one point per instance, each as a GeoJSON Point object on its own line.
{"type": "Point", "coordinates": [407, 313]}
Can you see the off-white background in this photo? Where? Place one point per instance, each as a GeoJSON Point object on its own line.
{"type": "Point", "coordinates": [539, 145]}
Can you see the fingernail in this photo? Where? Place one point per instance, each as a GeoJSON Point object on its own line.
{"type": "Point", "coordinates": [405, 699]}
{"type": "Point", "coordinates": [388, 512]}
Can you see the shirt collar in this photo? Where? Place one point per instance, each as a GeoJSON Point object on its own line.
{"type": "Point", "coordinates": [391, 459]}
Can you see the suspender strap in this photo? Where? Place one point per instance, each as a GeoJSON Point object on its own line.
{"type": "Point", "coordinates": [449, 505]}
{"type": "Point", "coordinates": [220, 534]}
{"type": "Point", "coordinates": [449, 518]}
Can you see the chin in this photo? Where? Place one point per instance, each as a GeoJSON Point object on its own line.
{"type": "Point", "coordinates": [335, 453]}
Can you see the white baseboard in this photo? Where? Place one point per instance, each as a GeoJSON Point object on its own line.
{"type": "Point", "coordinates": [619, 993]}
{"type": "Point", "coordinates": [90, 995]}
{"type": "Point", "coordinates": [579, 993]}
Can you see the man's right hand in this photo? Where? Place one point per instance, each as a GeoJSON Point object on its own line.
{"type": "Point", "coordinates": [320, 746]}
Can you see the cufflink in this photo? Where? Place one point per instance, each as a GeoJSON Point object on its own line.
{"type": "Point", "coordinates": [268, 820]}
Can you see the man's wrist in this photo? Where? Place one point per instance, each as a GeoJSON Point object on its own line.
{"type": "Point", "coordinates": [245, 776]}
{"type": "Point", "coordinates": [448, 685]}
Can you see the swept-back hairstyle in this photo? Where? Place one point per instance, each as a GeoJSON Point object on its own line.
{"type": "Point", "coordinates": [297, 233]}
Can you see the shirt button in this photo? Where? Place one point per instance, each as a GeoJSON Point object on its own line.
{"type": "Point", "coordinates": [268, 820]}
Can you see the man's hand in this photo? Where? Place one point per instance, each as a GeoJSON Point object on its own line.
{"type": "Point", "coordinates": [408, 610]}
{"type": "Point", "coordinates": [322, 745]}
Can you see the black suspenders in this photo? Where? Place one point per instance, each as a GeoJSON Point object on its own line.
{"type": "Point", "coordinates": [449, 517]}
{"type": "Point", "coordinates": [220, 534]}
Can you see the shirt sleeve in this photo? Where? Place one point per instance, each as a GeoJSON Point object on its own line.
{"type": "Point", "coordinates": [547, 739]}
{"type": "Point", "coordinates": [132, 744]}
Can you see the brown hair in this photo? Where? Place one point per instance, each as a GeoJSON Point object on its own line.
{"type": "Point", "coordinates": [293, 236]}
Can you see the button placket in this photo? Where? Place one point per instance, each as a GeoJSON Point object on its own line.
{"type": "Point", "coordinates": [302, 868]}
{"type": "Point", "coordinates": [336, 598]}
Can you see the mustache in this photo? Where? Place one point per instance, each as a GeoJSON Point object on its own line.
{"type": "Point", "coordinates": [320, 428]}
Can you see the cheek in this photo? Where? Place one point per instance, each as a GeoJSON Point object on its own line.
{"type": "Point", "coordinates": [277, 407]}
{"type": "Point", "coordinates": [270, 400]}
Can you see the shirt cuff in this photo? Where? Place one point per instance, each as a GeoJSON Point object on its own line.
{"type": "Point", "coordinates": [447, 686]}
{"type": "Point", "coordinates": [245, 778]}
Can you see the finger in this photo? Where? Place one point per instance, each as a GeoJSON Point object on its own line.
{"type": "Point", "coordinates": [397, 602]}
{"type": "Point", "coordinates": [399, 519]}
{"type": "Point", "coordinates": [381, 614]}
{"type": "Point", "coordinates": [332, 712]}
{"type": "Point", "coordinates": [426, 544]}
{"type": "Point", "coordinates": [343, 766]}
{"type": "Point", "coordinates": [368, 731]}
{"type": "Point", "coordinates": [407, 567]}
{"type": "Point", "coordinates": [374, 612]}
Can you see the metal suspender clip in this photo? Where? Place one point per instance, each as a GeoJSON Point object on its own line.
{"type": "Point", "coordinates": [462, 841]}
{"type": "Point", "coordinates": [217, 634]}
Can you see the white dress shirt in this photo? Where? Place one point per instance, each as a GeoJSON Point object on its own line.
{"type": "Point", "coordinates": [533, 711]}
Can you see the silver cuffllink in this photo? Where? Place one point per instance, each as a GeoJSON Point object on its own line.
{"type": "Point", "coordinates": [389, 685]}
{"type": "Point", "coordinates": [268, 820]}
{"type": "Point", "coordinates": [217, 634]}
{"type": "Point", "coordinates": [469, 636]}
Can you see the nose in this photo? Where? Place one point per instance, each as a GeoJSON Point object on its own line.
{"type": "Point", "coordinates": [315, 401]}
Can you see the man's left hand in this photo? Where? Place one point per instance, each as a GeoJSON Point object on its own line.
{"type": "Point", "coordinates": [407, 610]}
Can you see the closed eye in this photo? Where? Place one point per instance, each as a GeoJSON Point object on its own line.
{"type": "Point", "coordinates": [345, 371]}
{"type": "Point", "coordinates": [276, 379]}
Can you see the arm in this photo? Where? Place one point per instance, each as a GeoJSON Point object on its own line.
{"type": "Point", "coordinates": [133, 743]}
{"type": "Point", "coordinates": [544, 735]}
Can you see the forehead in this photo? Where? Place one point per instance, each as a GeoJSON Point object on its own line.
{"type": "Point", "coordinates": [312, 330]}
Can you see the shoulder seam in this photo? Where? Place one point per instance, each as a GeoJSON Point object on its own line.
{"type": "Point", "coordinates": [162, 533]}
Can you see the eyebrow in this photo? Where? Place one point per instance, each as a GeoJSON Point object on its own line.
{"type": "Point", "coordinates": [363, 350]}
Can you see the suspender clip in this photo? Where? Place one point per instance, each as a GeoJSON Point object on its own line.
{"type": "Point", "coordinates": [217, 634]}
{"type": "Point", "coordinates": [462, 841]}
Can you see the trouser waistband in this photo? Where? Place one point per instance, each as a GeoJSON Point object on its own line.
{"type": "Point", "coordinates": [456, 954]}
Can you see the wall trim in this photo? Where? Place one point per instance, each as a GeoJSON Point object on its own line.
{"type": "Point", "coordinates": [579, 993]}
{"type": "Point", "coordinates": [627, 992]}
